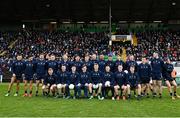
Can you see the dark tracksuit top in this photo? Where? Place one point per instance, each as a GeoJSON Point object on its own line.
{"type": "Point", "coordinates": [96, 77]}
{"type": "Point", "coordinates": [108, 76]}
{"type": "Point", "coordinates": [131, 63]}
{"type": "Point", "coordinates": [88, 65]}
{"type": "Point", "coordinates": [53, 65]}
{"type": "Point", "coordinates": [167, 70]}
{"type": "Point", "coordinates": [157, 67]}
{"type": "Point", "coordinates": [29, 69]}
{"type": "Point", "coordinates": [133, 79]}
{"type": "Point", "coordinates": [117, 63]}
{"type": "Point", "coordinates": [78, 65]}
{"type": "Point", "coordinates": [144, 71]}
{"type": "Point", "coordinates": [50, 79]}
{"type": "Point", "coordinates": [62, 77]}
{"type": "Point", "coordinates": [73, 78]}
{"type": "Point", "coordinates": [120, 78]}
{"type": "Point", "coordinates": [111, 65]}
{"type": "Point", "coordinates": [102, 65]}
{"type": "Point", "coordinates": [65, 63]}
{"type": "Point", "coordinates": [84, 78]}
{"type": "Point", "coordinates": [18, 68]}
{"type": "Point", "coordinates": [41, 68]}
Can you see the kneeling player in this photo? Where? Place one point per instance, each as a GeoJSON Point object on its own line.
{"type": "Point", "coordinates": [49, 84]}
{"type": "Point", "coordinates": [108, 83]}
{"type": "Point", "coordinates": [96, 82]}
{"type": "Point", "coordinates": [133, 83]}
{"type": "Point", "coordinates": [84, 81]}
{"type": "Point", "coordinates": [120, 83]}
{"type": "Point", "coordinates": [29, 72]}
{"type": "Point", "coordinates": [72, 83]}
{"type": "Point", "coordinates": [168, 69]}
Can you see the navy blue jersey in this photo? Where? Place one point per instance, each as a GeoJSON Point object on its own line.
{"type": "Point", "coordinates": [111, 65]}
{"type": "Point", "coordinates": [18, 68]}
{"type": "Point", "coordinates": [96, 77]}
{"type": "Point", "coordinates": [132, 78]}
{"type": "Point", "coordinates": [108, 76]}
{"type": "Point", "coordinates": [167, 70]}
{"type": "Point", "coordinates": [85, 78]}
{"type": "Point", "coordinates": [157, 66]}
{"type": "Point", "coordinates": [52, 64]}
{"type": "Point", "coordinates": [78, 65]}
{"type": "Point", "coordinates": [62, 77]}
{"type": "Point", "coordinates": [117, 63]}
{"type": "Point", "coordinates": [88, 65]}
{"type": "Point", "coordinates": [41, 67]}
{"type": "Point", "coordinates": [131, 63]}
{"type": "Point", "coordinates": [102, 65]}
{"type": "Point", "coordinates": [120, 78]}
{"type": "Point", "coordinates": [144, 71]}
{"type": "Point", "coordinates": [92, 64]}
{"type": "Point", "coordinates": [65, 63]}
{"type": "Point", "coordinates": [50, 79]}
{"type": "Point", "coordinates": [29, 69]}
{"type": "Point", "coordinates": [73, 78]}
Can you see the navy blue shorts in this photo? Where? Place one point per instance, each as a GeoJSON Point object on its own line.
{"type": "Point", "coordinates": [156, 77]}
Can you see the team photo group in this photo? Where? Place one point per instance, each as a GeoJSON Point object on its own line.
{"type": "Point", "coordinates": [91, 77]}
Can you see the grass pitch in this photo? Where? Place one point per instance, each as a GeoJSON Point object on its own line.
{"type": "Point", "coordinates": [46, 107]}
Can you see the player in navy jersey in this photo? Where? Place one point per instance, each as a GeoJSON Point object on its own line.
{"type": "Point", "coordinates": [41, 70]}
{"type": "Point", "coordinates": [84, 81]}
{"type": "Point", "coordinates": [110, 63]}
{"type": "Point", "coordinates": [17, 70]}
{"type": "Point", "coordinates": [65, 62]}
{"type": "Point", "coordinates": [93, 61]}
{"type": "Point", "coordinates": [144, 71]}
{"type": "Point", "coordinates": [133, 82]}
{"type": "Point", "coordinates": [131, 62]}
{"type": "Point", "coordinates": [72, 83]}
{"type": "Point", "coordinates": [49, 83]}
{"type": "Point", "coordinates": [77, 63]}
{"type": "Point", "coordinates": [118, 62]}
{"type": "Point", "coordinates": [120, 81]}
{"type": "Point", "coordinates": [61, 81]}
{"type": "Point", "coordinates": [29, 72]}
{"type": "Point", "coordinates": [167, 70]}
{"type": "Point", "coordinates": [157, 66]}
{"type": "Point", "coordinates": [52, 63]}
{"type": "Point", "coordinates": [108, 83]}
{"type": "Point", "coordinates": [96, 82]}
{"type": "Point", "coordinates": [101, 63]}
{"type": "Point", "coordinates": [87, 62]}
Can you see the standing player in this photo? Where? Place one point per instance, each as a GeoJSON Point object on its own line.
{"type": "Point", "coordinates": [96, 82]}
{"type": "Point", "coordinates": [41, 70]}
{"type": "Point", "coordinates": [118, 62]}
{"type": "Point", "coordinates": [131, 62]}
{"type": "Point", "coordinates": [17, 70]}
{"type": "Point", "coordinates": [49, 83]}
{"type": "Point", "coordinates": [110, 63]}
{"type": "Point", "coordinates": [144, 71]}
{"type": "Point", "coordinates": [65, 62]}
{"type": "Point", "coordinates": [87, 62]}
{"type": "Point", "coordinates": [29, 72]}
{"type": "Point", "coordinates": [168, 69]}
{"type": "Point", "coordinates": [84, 81]}
{"type": "Point", "coordinates": [101, 63]}
{"type": "Point", "coordinates": [72, 83]}
{"type": "Point", "coordinates": [120, 78]}
{"type": "Point", "coordinates": [157, 67]}
{"type": "Point", "coordinates": [133, 82]}
{"type": "Point", "coordinates": [62, 77]}
{"type": "Point", "coordinates": [108, 83]}
{"type": "Point", "coordinates": [52, 63]}
{"type": "Point", "coordinates": [77, 63]}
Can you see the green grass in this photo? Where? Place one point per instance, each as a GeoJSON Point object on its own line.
{"type": "Point", "coordinates": [41, 106]}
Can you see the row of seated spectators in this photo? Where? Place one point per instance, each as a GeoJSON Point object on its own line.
{"type": "Point", "coordinates": [166, 43]}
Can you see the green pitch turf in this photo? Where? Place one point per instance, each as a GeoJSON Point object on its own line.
{"type": "Point", "coordinates": [47, 107]}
